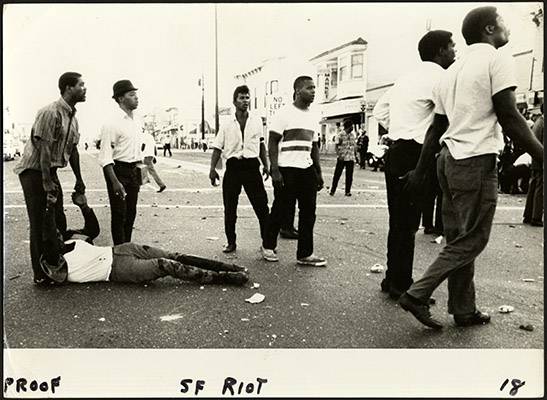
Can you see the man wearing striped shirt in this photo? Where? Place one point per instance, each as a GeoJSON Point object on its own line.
{"type": "Point", "coordinates": [295, 170]}
{"type": "Point", "coordinates": [52, 145]}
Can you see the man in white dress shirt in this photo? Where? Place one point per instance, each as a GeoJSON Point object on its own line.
{"type": "Point", "coordinates": [474, 101]}
{"type": "Point", "coordinates": [241, 143]}
{"type": "Point", "coordinates": [121, 141]}
{"type": "Point", "coordinates": [406, 111]}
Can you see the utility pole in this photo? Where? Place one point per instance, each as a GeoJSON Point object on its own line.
{"type": "Point", "coordinates": [202, 83]}
{"type": "Point", "coordinates": [216, 72]}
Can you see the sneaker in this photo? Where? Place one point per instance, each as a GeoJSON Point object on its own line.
{"type": "Point", "coordinates": [269, 255]}
{"type": "Point", "coordinates": [162, 188]}
{"type": "Point", "coordinates": [288, 233]}
{"type": "Point", "coordinates": [348, 194]}
{"type": "Point", "coordinates": [312, 261]}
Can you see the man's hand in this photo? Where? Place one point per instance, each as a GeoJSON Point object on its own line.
{"type": "Point", "coordinates": [320, 182]}
{"type": "Point", "coordinates": [213, 176]}
{"type": "Point", "coordinates": [51, 199]}
{"type": "Point", "coordinates": [79, 199]}
{"type": "Point", "coordinates": [265, 173]}
{"type": "Point", "coordinates": [277, 178]}
{"type": "Point", "coordinates": [414, 186]}
{"type": "Point", "coordinates": [79, 187]}
{"type": "Point", "coordinates": [50, 187]}
{"type": "Point", "coordinates": [119, 190]}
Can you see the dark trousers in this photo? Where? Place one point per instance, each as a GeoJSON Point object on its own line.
{"type": "Point", "coordinates": [363, 157]}
{"type": "Point", "coordinates": [340, 165]}
{"type": "Point", "coordinates": [243, 173]}
{"type": "Point", "coordinates": [123, 211]}
{"type": "Point", "coordinates": [35, 200]}
{"type": "Point", "coordinates": [469, 203]}
{"type": "Point", "coordinates": [533, 212]}
{"type": "Point", "coordinates": [287, 222]}
{"type": "Point", "coordinates": [404, 217]}
{"type": "Point", "coordinates": [167, 148]}
{"type": "Point", "coordinates": [301, 185]}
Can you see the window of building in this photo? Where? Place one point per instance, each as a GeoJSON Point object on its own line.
{"type": "Point", "coordinates": [344, 69]}
{"type": "Point", "coordinates": [357, 66]}
{"type": "Point", "coordinates": [334, 78]}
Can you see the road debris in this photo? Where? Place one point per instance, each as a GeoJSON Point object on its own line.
{"type": "Point", "coordinates": [304, 304]}
{"type": "Point", "coordinates": [377, 268]}
{"type": "Point", "coordinates": [518, 246]}
{"type": "Point", "coordinates": [506, 309]}
{"type": "Point", "coordinates": [212, 238]}
{"type": "Point", "coordinates": [528, 328]}
{"type": "Point", "coordinates": [528, 280]}
{"type": "Point", "coordinates": [255, 285]}
{"type": "Point", "coordinates": [102, 319]}
{"type": "Point", "coordinates": [256, 298]}
{"type": "Point", "coordinates": [245, 319]}
{"type": "Point", "coordinates": [171, 317]}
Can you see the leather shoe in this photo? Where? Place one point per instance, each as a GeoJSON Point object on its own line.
{"type": "Point", "coordinates": [395, 294]}
{"type": "Point", "coordinates": [419, 310]}
{"type": "Point", "coordinates": [476, 318]}
{"type": "Point", "coordinates": [229, 248]}
{"type": "Point", "coordinates": [536, 223]}
{"type": "Point", "coordinates": [289, 233]}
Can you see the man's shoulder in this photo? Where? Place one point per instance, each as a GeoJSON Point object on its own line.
{"type": "Point", "coordinates": [51, 109]}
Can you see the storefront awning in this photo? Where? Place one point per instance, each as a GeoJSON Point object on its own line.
{"type": "Point", "coordinates": [341, 108]}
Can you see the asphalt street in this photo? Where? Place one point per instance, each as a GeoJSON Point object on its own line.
{"type": "Point", "coordinates": [339, 306]}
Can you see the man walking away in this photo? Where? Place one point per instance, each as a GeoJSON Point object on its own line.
{"type": "Point", "coordinates": [406, 111]}
{"type": "Point", "coordinates": [477, 93]}
{"type": "Point", "coordinates": [148, 152]}
{"type": "Point", "coordinates": [533, 212]}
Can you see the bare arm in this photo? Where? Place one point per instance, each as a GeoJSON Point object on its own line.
{"type": "Point", "coordinates": [317, 165]}
{"type": "Point", "coordinates": [264, 158]}
{"type": "Point", "coordinates": [74, 161]}
{"type": "Point", "coordinates": [213, 174]}
{"type": "Point", "coordinates": [273, 152]}
{"type": "Point", "coordinates": [513, 123]}
{"type": "Point", "coordinates": [116, 184]}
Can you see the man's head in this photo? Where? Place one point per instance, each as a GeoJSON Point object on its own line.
{"type": "Point", "coordinates": [304, 89]}
{"type": "Point", "coordinates": [125, 94]}
{"type": "Point", "coordinates": [348, 125]}
{"type": "Point", "coordinates": [485, 25]}
{"type": "Point", "coordinates": [72, 87]}
{"type": "Point", "coordinates": [242, 98]}
{"type": "Point", "coordinates": [438, 47]}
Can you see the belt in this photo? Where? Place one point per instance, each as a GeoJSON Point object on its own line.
{"type": "Point", "coordinates": [126, 164]}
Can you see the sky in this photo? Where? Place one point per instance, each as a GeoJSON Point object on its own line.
{"type": "Point", "coordinates": [165, 48]}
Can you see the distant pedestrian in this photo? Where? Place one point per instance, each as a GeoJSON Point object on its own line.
{"type": "Point", "coordinates": [53, 144]}
{"type": "Point", "coordinates": [296, 171]}
{"type": "Point", "coordinates": [345, 152]}
{"type": "Point", "coordinates": [533, 212]}
{"type": "Point", "coordinates": [476, 93]}
{"type": "Point", "coordinates": [167, 145]}
{"type": "Point", "coordinates": [362, 144]}
{"type": "Point", "coordinates": [120, 154]}
{"type": "Point", "coordinates": [406, 111]}
{"type": "Point", "coordinates": [241, 143]}
{"type": "Point", "coordinates": [148, 153]}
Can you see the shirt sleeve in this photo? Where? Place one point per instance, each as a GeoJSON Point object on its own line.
{"type": "Point", "coordinates": [279, 123]}
{"type": "Point", "coordinates": [105, 152]}
{"type": "Point", "coordinates": [45, 125]}
{"type": "Point", "coordinates": [437, 98]}
{"type": "Point", "coordinates": [381, 110]}
{"type": "Point", "coordinates": [218, 141]}
{"type": "Point", "coordinates": [502, 73]}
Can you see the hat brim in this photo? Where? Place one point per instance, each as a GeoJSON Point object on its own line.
{"type": "Point", "coordinates": [57, 273]}
{"type": "Point", "coordinates": [121, 93]}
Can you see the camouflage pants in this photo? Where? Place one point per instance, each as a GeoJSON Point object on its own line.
{"type": "Point", "coordinates": [140, 263]}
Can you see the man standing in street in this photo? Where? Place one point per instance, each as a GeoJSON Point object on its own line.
{"type": "Point", "coordinates": [345, 151]}
{"type": "Point", "coordinates": [166, 140]}
{"type": "Point", "coordinates": [121, 141]}
{"type": "Point", "coordinates": [363, 149]}
{"type": "Point", "coordinates": [52, 145]}
{"type": "Point", "coordinates": [533, 212]}
{"type": "Point", "coordinates": [296, 171]}
{"type": "Point", "coordinates": [406, 111]}
{"type": "Point", "coordinates": [475, 97]}
{"type": "Point", "coordinates": [241, 142]}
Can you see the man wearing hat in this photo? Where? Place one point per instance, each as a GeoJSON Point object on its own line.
{"type": "Point", "coordinates": [120, 152]}
{"type": "Point", "coordinates": [72, 257]}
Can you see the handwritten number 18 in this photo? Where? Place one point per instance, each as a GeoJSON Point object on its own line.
{"type": "Point", "coordinates": [516, 383]}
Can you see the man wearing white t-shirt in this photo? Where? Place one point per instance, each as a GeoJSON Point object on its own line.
{"type": "Point", "coordinates": [72, 257]}
{"type": "Point", "coordinates": [476, 93]}
{"type": "Point", "coordinates": [295, 170]}
{"type": "Point", "coordinates": [406, 111]}
{"type": "Point", "coordinates": [148, 150]}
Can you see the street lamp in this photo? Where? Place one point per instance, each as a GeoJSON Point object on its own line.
{"type": "Point", "coordinates": [201, 83]}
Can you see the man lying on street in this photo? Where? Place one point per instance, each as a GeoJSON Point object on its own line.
{"type": "Point", "coordinates": [76, 259]}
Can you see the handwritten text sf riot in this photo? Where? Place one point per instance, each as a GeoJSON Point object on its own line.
{"type": "Point", "coordinates": [230, 387]}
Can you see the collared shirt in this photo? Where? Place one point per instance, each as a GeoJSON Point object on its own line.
{"type": "Point", "coordinates": [346, 146]}
{"type": "Point", "coordinates": [233, 144]}
{"type": "Point", "coordinates": [464, 95]}
{"type": "Point", "coordinates": [407, 109]}
{"type": "Point", "coordinates": [299, 129]}
{"type": "Point", "coordinates": [148, 145]}
{"type": "Point", "coordinates": [88, 263]}
{"type": "Point", "coordinates": [56, 125]}
{"type": "Point", "coordinates": [121, 139]}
